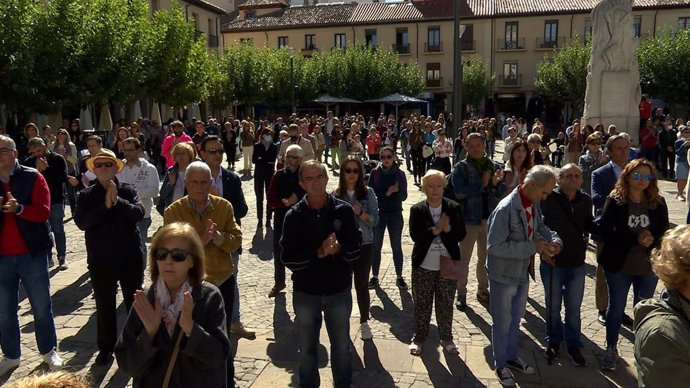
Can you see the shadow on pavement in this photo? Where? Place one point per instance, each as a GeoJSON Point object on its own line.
{"type": "Point", "coordinates": [283, 351]}
{"type": "Point", "coordinates": [262, 246]}
{"type": "Point", "coordinates": [401, 321]}
{"type": "Point", "coordinates": [69, 299]}
{"type": "Point", "coordinates": [368, 369]}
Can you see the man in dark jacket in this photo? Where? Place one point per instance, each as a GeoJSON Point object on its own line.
{"type": "Point", "coordinates": [24, 246]}
{"type": "Point", "coordinates": [54, 169]}
{"type": "Point", "coordinates": [283, 192]}
{"type": "Point", "coordinates": [108, 211]}
{"type": "Point", "coordinates": [321, 265]}
{"type": "Point", "coordinates": [568, 212]}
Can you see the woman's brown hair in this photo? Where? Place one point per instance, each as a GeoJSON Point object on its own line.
{"type": "Point", "coordinates": [180, 231]}
{"type": "Point", "coordinates": [360, 188]}
{"type": "Point", "coordinates": [621, 191]}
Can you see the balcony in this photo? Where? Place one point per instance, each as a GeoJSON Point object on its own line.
{"type": "Point", "coordinates": [468, 45]}
{"type": "Point", "coordinates": [401, 48]}
{"type": "Point", "coordinates": [309, 48]}
{"type": "Point", "coordinates": [197, 35]}
{"type": "Point", "coordinates": [213, 41]}
{"type": "Point", "coordinates": [514, 44]}
{"type": "Point", "coordinates": [550, 43]}
{"type": "Point", "coordinates": [436, 47]}
{"type": "Point", "coordinates": [511, 80]}
{"type": "Point", "coordinates": [434, 83]}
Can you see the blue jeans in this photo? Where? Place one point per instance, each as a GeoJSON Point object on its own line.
{"type": "Point", "coordinates": [336, 312]}
{"type": "Point", "coordinates": [568, 287]}
{"type": "Point", "coordinates": [57, 214]}
{"type": "Point", "coordinates": [507, 306]}
{"type": "Point", "coordinates": [235, 315]}
{"type": "Point", "coordinates": [143, 226]}
{"type": "Point", "coordinates": [327, 141]}
{"type": "Point", "coordinates": [619, 285]}
{"type": "Point", "coordinates": [32, 270]}
{"type": "Point", "coordinates": [394, 222]}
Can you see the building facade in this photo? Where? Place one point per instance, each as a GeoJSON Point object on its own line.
{"type": "Point", "coordinates": [512, 37]}
{"type": "Point", "coordinates": [204, 14]}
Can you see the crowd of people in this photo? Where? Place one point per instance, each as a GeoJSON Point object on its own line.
{"type": "Point", "coordinates": [543, 201]}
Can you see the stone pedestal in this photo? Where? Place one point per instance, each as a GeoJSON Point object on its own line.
{"type": "Point", "coordinates": [615, 100]}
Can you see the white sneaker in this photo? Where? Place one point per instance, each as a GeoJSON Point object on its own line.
{"type": "Point", "coordinates": [7, 364]}
{"type": "Point", "coordinates": [365, 331]}
{"type": "Point", "coordinates": [53, 359]}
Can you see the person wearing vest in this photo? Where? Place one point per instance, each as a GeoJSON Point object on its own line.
{"type": "Point", "coordinates": [24, 246]}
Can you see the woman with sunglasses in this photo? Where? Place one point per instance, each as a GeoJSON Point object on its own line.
{"type": "Point", "coordinates": [180, 310]}
{"type": "Point", "coordinates": [352, 189]}
{"type": "Point", "coordinates": [173, 188]}
{"type": "Point", "coordinates": [390, 186]}
{"type": "Point", "coordinates": [681, 145]}
{"type": "Point", "coordinates": [634, 219]}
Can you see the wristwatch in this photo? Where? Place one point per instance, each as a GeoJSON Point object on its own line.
{"type": "Point", "coordinates": [19, 209]}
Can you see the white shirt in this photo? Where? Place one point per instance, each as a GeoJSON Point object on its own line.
{"type": "Point", "coordinates": [432, 260]}
{"type": "Point", "coordinates": [144, 177]}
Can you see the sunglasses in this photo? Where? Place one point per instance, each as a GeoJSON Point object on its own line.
{"type": "Point", "coordinates": [103, 164]}
{"type": "Point", "coordinates": [351, 171]}
{"type": "Point", "coordinates": [386, 157]}
{"type": "Point", "coordinates": [639, 176]}
{"type": "Point", "coordinates": [178, 255]}
{"type": "Point", "coordinates": [292, 157]}
{"type": "Point", "coordinates": [214, 151]}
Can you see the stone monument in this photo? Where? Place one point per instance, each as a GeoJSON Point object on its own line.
{"type": "Point", "coordinates": [613, 79]}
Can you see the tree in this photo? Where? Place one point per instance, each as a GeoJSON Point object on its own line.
{"type": "Point", "coordinates": [16, 19]}
{"type": "Point", "coordinates": [665, 66]}
{"type": "Point", "coordinates": [562, 79]}
{"type": "Point", "coordinates": [476, 81]}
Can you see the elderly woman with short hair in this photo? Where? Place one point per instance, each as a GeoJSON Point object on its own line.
{"type": "Point", "coordinates": [436, 227]}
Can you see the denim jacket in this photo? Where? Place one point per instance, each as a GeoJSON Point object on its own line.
{"type": "Point", "coordinates": [370, 206]}
{"type": "Point", "coordinates": [467, 185]}
{"type": "Point", "coordinates": [508, 250]}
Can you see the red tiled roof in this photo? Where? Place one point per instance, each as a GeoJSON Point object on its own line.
{"type": "Point", "coordinates": [417, 10]}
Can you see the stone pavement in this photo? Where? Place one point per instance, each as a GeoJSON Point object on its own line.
{"type": "Point", "coordinates": [271, 359]}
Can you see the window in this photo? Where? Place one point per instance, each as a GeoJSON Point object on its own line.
{"type": "Point", "coordinates": [510, 73]}
{"type": "Point", "coordinates": [433, 75]}
{"type": "Point", "coordinates": [248, 41]}
{"type": "Point", "coordinates": [370, 38]}
{"type": "Point", "coordinates": [467, 38]}
{"type": "Point", "coordinates": [195, 21]}
{"type": "Point", "coordinates": [433, 39]}
{"type": "Point", "coordinates": [282, 42]}
{"type": "Point", "coordinates": [402, 44]}
{"type": "Point", "coordinates": [637, 26]}
{"type": "Point", "coordinates": [212, 36]}
{"type": "Point", "coordinates": [309, 42]}
{"type": "Point", "coordinates": [550, 34]}
{"type": "Point", "coordinates": [511, 35]}
{"type": "Point", "coordinates": [683, 22]}
{"type": "Point", "coordinates": [250, 14]}
{"type": "Point", "coordinates": [155, 5]}
{"type": "Point", "coordinates": [340, 40]}
{"type": "Point", "coordinates": [588, 28]}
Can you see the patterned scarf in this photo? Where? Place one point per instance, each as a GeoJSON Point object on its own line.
{"type": "Point", "coordinates": [170, 312]}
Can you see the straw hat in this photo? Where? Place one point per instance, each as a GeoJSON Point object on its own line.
{"type": "Point", "coordinates": [105, 154]}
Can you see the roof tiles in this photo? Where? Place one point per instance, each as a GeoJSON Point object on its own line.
{"type": "Point", "coordinates": [414, 10]}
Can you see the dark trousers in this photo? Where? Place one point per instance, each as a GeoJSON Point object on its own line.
{"type": "Point", "coordinates": [418, 164]}
{"type": "Point", "coordinates": [262, 179]}
{"type": "Point", "coordinates": [361, 269]}
{"type": "Point", "coordinates": [104, 279]}
{"type": "Point", "coordinates": [227, 290]}
{"type": "Point", "coordinates": [278, 266]}
{"type": "Point", "coordinates": [668, 161]}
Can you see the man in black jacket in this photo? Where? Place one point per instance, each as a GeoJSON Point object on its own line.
{"type": "Point", "coordinates": [54, 169]}
{"type": "Point", "coordinates": [108, 212]}
{"type": "Point", "coordinates": [321, 265]}
{"type": "Point", "coordinates": [568, 212]}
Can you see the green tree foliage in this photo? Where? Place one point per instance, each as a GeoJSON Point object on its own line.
{"type": "Point", "coordinates": [359, 72]}
{"type": "Point", "coordinates": [562, 78]}
{"type": "Point", "coordinates": [477, 81]}
{"type": "Point", "coordinates": [16, 19]}
{"type": "Point", "coordinates": [664, 63]}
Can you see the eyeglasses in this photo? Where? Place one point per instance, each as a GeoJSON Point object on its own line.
{"type": "Point", "coordinates": [129, 149]}
{"type": "Point", "coordinates": [639, 176]}
{"type": "Point", "coordinates": [214, 151]}
{"type": "Point", "coordinates": [386, 157]}
{"type": "Point", "coordinates": [178, 255]}
{"type": "Point", "coordinates": [103, 164]}
{"type": "Point", "coordinates": [5, 150]}
{"type": "Point", "coordinates": [442, 134]}
{"type": "Point", "coordinates": [351, 171]}
{"type": "Point", "coordinates": [292, 157]}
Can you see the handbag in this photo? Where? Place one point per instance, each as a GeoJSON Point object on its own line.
{"type": "Point", "coordinates": [173, 358]}
{"type": "Point", "coordinates": [427, 151]}
{"type": "Point", "coordinates": [450, 269]}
